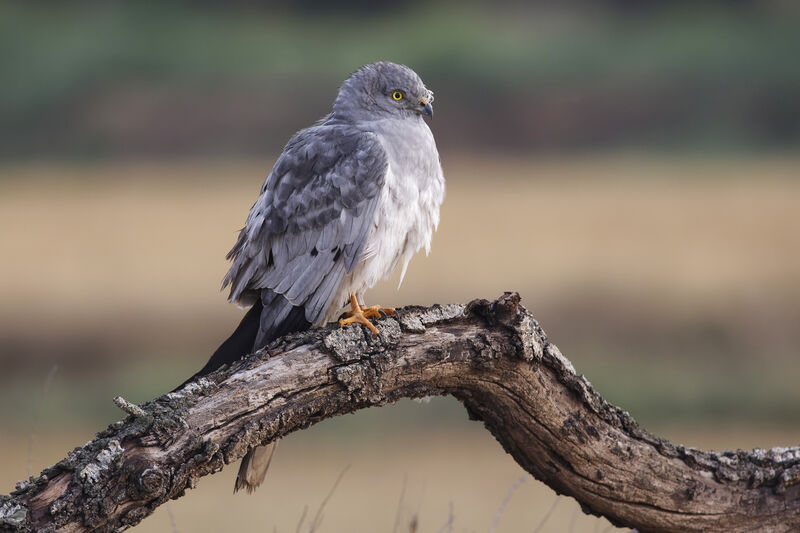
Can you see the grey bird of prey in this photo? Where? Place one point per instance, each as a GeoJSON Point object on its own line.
{"type": "Point", "coordinates": [350, 199]}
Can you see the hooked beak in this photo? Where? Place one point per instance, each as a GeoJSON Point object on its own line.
{"type": "Point", "coordinates": [426, 107]}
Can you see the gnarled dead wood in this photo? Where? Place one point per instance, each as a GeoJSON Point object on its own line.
{"type": "Point", "coordinates": [492, 356]}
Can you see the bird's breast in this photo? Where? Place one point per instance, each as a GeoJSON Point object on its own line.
{"type": "Point", "coordinates": [408, 209]}
{"type": "Point", "coordinates": [407, 212]}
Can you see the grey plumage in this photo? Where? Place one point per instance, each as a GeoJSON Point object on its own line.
{"type": "Point", "coordinates": [348, 200]}
{"type": "Point", "coordinates": [310, 223]}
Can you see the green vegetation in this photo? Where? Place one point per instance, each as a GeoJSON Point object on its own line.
{"type": "Point", "coordinates": [701, 77]}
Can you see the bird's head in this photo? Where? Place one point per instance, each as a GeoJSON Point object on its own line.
{"type": "Point", "coordinates": [383, 90]}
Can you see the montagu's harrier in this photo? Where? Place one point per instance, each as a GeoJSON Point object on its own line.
{"type": "Point", "coordinates": [348, 200]}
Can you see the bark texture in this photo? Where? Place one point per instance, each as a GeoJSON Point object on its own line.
{"type": "Point", "coordinates": [492, 356]}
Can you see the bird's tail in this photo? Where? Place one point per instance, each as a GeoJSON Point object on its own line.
{"type": "Point", "coordinates": [254, 467]}
{"type": "Point", "coordinates": [255, 463]}
{"type": "Point", "coordinates": [240, 343]}
{"type": "Point", "coordinates": [254, 332]}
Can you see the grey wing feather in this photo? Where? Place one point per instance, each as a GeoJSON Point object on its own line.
{"type": "Point", "coordinates": [308, 227]}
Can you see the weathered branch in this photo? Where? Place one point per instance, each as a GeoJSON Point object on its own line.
{"type": "Point", "coordinates": [492, 356]}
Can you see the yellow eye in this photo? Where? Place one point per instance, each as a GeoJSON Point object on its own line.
{"type": "Point", "coordinates": [397, 95]}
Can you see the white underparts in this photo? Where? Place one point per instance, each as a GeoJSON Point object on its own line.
{"type": "Point", "coordinates": [405, 217]}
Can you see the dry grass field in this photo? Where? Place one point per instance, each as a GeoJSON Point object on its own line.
{"type": "Point", "coordinates": [672, 283]}
{"type": "Point", "coordinates": [87, 245]}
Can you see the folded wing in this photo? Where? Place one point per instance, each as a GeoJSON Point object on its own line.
{"type": "Point", "coordinates": [308, 227]}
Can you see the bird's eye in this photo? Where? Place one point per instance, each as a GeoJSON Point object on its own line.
{"type": "Point", "coordinates": [397, 96]}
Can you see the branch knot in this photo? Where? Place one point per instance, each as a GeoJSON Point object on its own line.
{"type": "Point", "coordinates": [529, 340]}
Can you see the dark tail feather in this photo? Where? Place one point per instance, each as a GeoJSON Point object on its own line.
{"type": "Point", "coordinates": [279, 318]}
{"type": "Point", "coordinates": [272, 316]}
{"type": "Point", "coordinates": [240, 343]}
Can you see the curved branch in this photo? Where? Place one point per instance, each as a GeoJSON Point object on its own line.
{"type": "Point", "coordinates": [492, 356]}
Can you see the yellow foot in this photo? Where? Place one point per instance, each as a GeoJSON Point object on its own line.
{"type": "Point", "coordinates": [360, 315]}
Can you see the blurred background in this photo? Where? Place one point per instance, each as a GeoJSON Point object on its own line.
{"type": "Point", "coordinates": [632, 168]}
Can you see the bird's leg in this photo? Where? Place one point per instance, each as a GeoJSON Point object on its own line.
{"type": "Point", "coordinates": [356, 316]}
{"type": "Point", "coordinates": [355, 307]}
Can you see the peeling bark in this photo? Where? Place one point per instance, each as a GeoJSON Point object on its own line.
{"type": "Point", "coordinates": [492, 356]}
